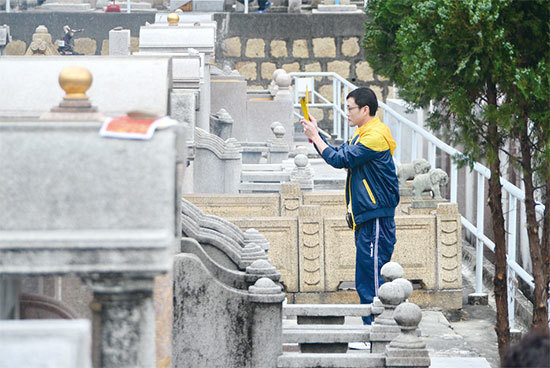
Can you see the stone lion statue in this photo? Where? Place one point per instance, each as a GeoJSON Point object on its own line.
{"type": "Point", "coordinates": [431, 180]}
{"type": "Point", "coordinates": [409, 171]}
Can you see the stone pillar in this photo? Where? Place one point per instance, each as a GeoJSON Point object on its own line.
{"type": "Point", "coordinates": [123, 321]}
{"type": "Point", "coordinates": [311, 255]}
{"type": "Point", "coordinates": [204, 99]}
{"type": "Point", "coordinates": [407, 349]}
{"type": "Point", "coordinates": [119, 41]}
{"type": "Point", "coordinates": [291, 199]}
{"type": "Point", "coordinates": [302, 172]}
{"type": "Point", "coordinates": [267, 298]}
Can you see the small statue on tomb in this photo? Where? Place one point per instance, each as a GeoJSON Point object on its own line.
{"type": "Point", "coordinates": [66, 46]}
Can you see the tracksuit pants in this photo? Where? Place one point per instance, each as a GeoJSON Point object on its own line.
{"type": "Point", "coordinates": [374, 241]}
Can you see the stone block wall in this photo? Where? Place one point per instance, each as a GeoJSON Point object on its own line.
{"type": "Point", "coordinates": [257, 44]}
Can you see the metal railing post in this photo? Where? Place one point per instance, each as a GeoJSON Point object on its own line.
{"type": "Point", "coordinates": [454, 182]}
{"type": "Point", "coordinates": [337, 122]}
{"type": "Point", "coordinates": [480, 208]}
{"type": "Point", "coordinates": [512, 236]}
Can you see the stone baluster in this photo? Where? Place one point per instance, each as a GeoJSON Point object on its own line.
{"type": "Point", "coordinates": [123, 321]}
{"type": "Point", "coordinates": [278, 147]}
{"type": "Point", "coordinates": [302, 172]}
{"type": "Point", "coordinates": [283, 81]}
{"type": "Point", "coordinates": [273, 87]}
{"type": "Point", "coordinates": [119, 41]}
{"type": "Point", "coordinates": [390, 295]}
{"type": "Point", "coordinates": [407, 349]}
{"type": "Point", "coordinates": [261, 268]}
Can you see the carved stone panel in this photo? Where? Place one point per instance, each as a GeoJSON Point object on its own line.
{"type": "Point", "coordinates": [311, 254]}
{"type": "Point", "coordinates": [339, 252]}
{"type": "Point", "coordinates": [415, 249]}
{"type": "Point", "coordinates": [282, 234]}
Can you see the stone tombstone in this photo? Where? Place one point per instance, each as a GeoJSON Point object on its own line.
{"type": "Point", "coordinates": [45, 343]}
{"type": "Point", "coordinates": [95, 214]}
{"type": "Point", "coordinates": [228, 91]}
{"type": "Point", "coordinates": [191, 38]}
{"type": "Point", "coordinates": [119, 42]}
{"type": "Point", "coordinates": [41, 44]}
{"type": "Point", "coordinates": [218, 163]}
{"type": "Point", "coordinates": [129, 88]}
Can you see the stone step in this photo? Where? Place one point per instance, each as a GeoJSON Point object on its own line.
{"type": "Point", "coordinates": [347, 360]}
{"type": "Point", "coordinates": [325, 334]}
{"type": "Point", "coordinates": [327, 310]}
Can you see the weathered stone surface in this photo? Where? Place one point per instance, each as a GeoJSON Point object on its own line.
{"type": "Point", "coordinates": [16, 48]}
{"type": "Point", "coordinates": [220, 156]}
{"type": "Point", "coordinates": [278, 48]}
{"type": "Point", "coordinates": [232, 47]}
{"type": "Point", "coordinates": [324, 47]}
{"type": "Point", "coordinates": [364, 71]}
{"type": "Point", "coordinates": [299, 49]}
{"type": "Point", "coordinates": [313, 67]}
{"type": "Point", "coordinates": [235, 206]}
{"type": "Point", "coordinates": [282, 234]}
{"type": "Point", "coordinates": [291, 68]}
{"type": "Point", "coordinates": [340, 67]}
{"type": "Point", "coordinates": [267, 70]}
{"type": "Point", "coordinates": [255, 48]}
{"type": "Point", "coordinates": [350, 46]}
{"type": "Point", "coordinates": [85, 45]}
{"type": "Point", "coordinates": [248, 69]}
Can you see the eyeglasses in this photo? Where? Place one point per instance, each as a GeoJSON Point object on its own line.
{"type": "Point", "coordinates": [352, 107]}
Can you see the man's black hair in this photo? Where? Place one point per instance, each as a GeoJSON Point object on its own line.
{"type": "Point", "coordinates": [364, 96]}
{"type": "Point", "coordinates": [533, 350]}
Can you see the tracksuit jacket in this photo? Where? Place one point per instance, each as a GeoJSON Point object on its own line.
{"type": "Point", "coordinates": [372, 188]}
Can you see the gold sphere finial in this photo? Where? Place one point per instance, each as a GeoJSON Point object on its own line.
{"type": "Point", "coordinates": [173, 18]}
{"type": "Point", "coordinates": [75, 81]}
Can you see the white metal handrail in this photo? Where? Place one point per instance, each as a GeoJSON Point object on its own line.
{"type": "Point", "coordinates": [341, 87]}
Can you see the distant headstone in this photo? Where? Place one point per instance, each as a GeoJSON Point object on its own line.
{"type": "Point", "coordinates": [119, 41]}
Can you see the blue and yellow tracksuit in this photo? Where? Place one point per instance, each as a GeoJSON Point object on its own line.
{"type": "Point", "coordinates": [372, 193]}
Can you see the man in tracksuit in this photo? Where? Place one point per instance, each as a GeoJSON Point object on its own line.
{"type": "Point", "coordinates": [372, 188]}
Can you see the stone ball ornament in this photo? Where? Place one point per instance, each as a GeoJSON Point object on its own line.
{"type": "Point", "coordinates": [173, 18]}
{"type": "Point", "coordinates": [391, 271]}
{"type": "Point", "coordinates": [406, 285]}
{"type": "Point", "coordinates": [301, 160]}
{"type": "Point", "coordinates": [283, 80]}
{"type": "Point", "coordinates": [391, 294]}
{"type": "Point", "coordinates": [407, 315]}
{"type": "Point", "coordinates": [75, 81]}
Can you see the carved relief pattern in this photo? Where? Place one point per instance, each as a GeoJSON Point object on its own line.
{"type": "Point", "coordinates": [311, 261]}
{"type": "Point", "coordinates": [290, 207]}
{"type": "Point", "coordinates": [449, 253]}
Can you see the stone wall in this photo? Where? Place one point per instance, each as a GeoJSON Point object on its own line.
{"type": "Point", "coordinates": [313, 248]}
{"type": "Point", "coordinates": [256, 45]}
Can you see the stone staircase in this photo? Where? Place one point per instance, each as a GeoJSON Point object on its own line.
{"type": "Point", "coordinates": [323, 337]}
